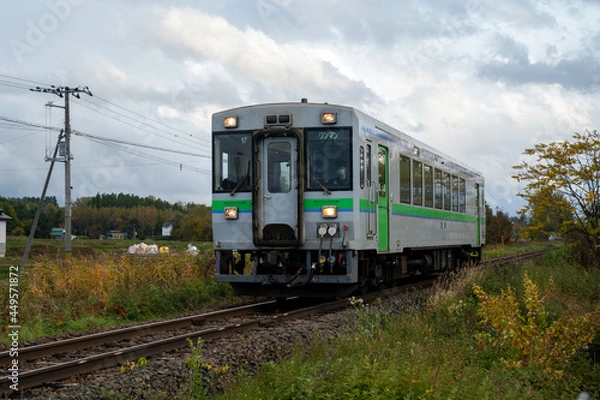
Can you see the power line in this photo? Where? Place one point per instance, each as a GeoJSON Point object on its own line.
{"type": "Point", "coordinates": [152, 157]}
{"type": "Point", "coordinates": [18, 138]}
{"type": "Point", "coordinates": [20, 122]}
{"type": "Point", "coordinates": [83, 134]}
{"type": "Point", "coordinates": [21, 83]}
{"type": "Point", "coordinates": [26, 81]}
{"type": "Point", "coordinates": [78, 133]}
{"type": "Point", "coordinates": [187, 134]}
{"type": "Point", "coordinates": [13, 84]}
{"type": "Point", "coordinates": [132, 125]}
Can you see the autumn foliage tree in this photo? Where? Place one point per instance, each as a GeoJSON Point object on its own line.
{"type": "Point", "coordinates": [570, 170]}
{"type": "Point", "coordinates": [549, 213]}
{"type": "Point", "coordinates": [499, 229]}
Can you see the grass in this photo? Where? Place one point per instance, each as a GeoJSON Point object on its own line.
{"type": "Point", "coordinates": [498, 250]}
{"type": "Point", "coordinates": [111, 288]}
{"type": "Point", "coordinates": [437, 351]}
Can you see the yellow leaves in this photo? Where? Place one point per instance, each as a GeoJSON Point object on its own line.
{"type": "Point", "coordinates": [130, 366]}
{"type": "Point", "coordinates": [534, 341]}
{"type": "Point", "coordinates": [571, 168]}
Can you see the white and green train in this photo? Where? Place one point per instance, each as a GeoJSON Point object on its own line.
{"type": "Point", "coordinates": [321, 200]}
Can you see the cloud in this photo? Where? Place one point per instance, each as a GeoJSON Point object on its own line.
{"type": "Point", "coordinates": [477, 79]}
{"type": "Point", "coordinates": [263, 68]}
{"type": "Point", "coordinates": [581, 73]}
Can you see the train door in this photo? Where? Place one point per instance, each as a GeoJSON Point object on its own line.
{"type": "Point", "coordinates": [371, 197]}
{"type": "Point", "coordinates": [275, 211]}
{"type": "Point", "coordinates": [383, 201]}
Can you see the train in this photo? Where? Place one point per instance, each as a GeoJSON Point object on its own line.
{"type": "Point", "coordinates": [323, 200]}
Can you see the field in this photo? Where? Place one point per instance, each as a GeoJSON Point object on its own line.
{"type": "Point", "coordinates": [102, 285]}
{"type": "Point", "coordinates": [105, 286]}
{"type": "Point", "coordinates": [52, 249]}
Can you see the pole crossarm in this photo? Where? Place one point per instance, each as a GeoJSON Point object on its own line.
{"type": "Point", "coordinates": [62, 90]}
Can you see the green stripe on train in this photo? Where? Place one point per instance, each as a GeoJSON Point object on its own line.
{"type": "Point", "coordinates": [242, 205]}
{"type": "Point", "coordinates": [343, 204]}
{"type": "Point", "coordinates": [367, 205]}
{"type": "Point", "coordinates": [431, 213]}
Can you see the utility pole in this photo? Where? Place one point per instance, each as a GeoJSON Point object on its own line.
{"type": "Point", "coordinates": [66, 91]}
{"type": "Point", "coordinates": [40, 206]}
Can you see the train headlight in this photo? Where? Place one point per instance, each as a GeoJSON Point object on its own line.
{"type": "Point", "coordinates": [329, 212]}
{"type": "Point", "coordinates": [230, 213]}
{"type": "Point", "coordinates": [328, 118]}
{"type": "Point", "coordinates": [230, 121]}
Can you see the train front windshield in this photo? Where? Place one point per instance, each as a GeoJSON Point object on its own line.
{"type": "Point", "coordinates": [232, 162]}
{"type": "Point", "coordinates": [329, 159]}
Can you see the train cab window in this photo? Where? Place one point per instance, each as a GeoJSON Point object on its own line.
{"type": "Point", "coordinates": [454, 193]}
{"type": "Point", "coordinates": [417, 183]}
{"type": "Point", "coordinates": [405, 179]}
{"type": "Point", "coordinates": [462, 196]}
{"type": "Point", "coordinates": [328, 159]}
{"type": "Point", "coordinates": [439, 189]}
{"type": "Point", "coordinates": [232, 161]}
{"type": "Point", "coordinates": [447, 191]}
{"type": "Point", "coordinates": [428, 183]}
{"type": "Point", "coordinates": [279, 168]}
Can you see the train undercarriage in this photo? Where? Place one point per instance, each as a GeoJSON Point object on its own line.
{"type": "Point", "coordinates": [337, 273]}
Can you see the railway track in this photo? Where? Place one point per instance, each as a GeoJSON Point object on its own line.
{"type": "Point", "coordinates": [246, 318]}
{"type": "Point", "coordinates": [515, 258]}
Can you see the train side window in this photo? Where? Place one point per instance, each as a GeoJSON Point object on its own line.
{"type": "Point", "coordinates": [446, 191]}
{"type": "Point", "coordinates": [369, 165]}
{"type": "Point", "coordinates": [417, 183]}
{"type": "Point", "coordinates": [404, 179]}
{"type": "Point", "coordinates": [428, 178]}
{"type": "Point", "coordinates": [362, 167]}
{"type": "Point", "coordinates": [439, 190]}
{"type": "Point", "coordinates": [454, 193]}
{"type": "Point", "coordinates": [462, 196]}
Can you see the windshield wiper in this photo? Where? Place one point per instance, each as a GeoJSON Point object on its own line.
{"type": "Point", "coordinates": [241, 181]}
{"type": "Point", "coordinates": [316, 179]}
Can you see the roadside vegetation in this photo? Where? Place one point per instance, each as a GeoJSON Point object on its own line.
{"type": "Point", "coordinates": [100, 289]}
{"type": "Point", "coordinates": [497, 250]}
{"type": "Point", "coordinates": [499, 333]}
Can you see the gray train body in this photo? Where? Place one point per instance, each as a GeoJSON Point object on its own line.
{"type": "Point", "coordinates": [321, 200]}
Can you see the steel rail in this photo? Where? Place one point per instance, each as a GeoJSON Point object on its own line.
{"type": "Point", "coordinates": [46, 375]}
{"type": "Point", "coordinates": [97, 339]}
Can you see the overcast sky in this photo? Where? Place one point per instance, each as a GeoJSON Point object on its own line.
{"type": "Point", "coordinates": [480, 80]}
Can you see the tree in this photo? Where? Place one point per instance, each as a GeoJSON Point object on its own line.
{"type": "Point", "coordinates": [195, 225]}
{"type": "Point", "coordinates": [550, 212]}
{"type": "Point", "coordinates": [570, 169]}
{"type": "Point", "coordinates": [498, 227]}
